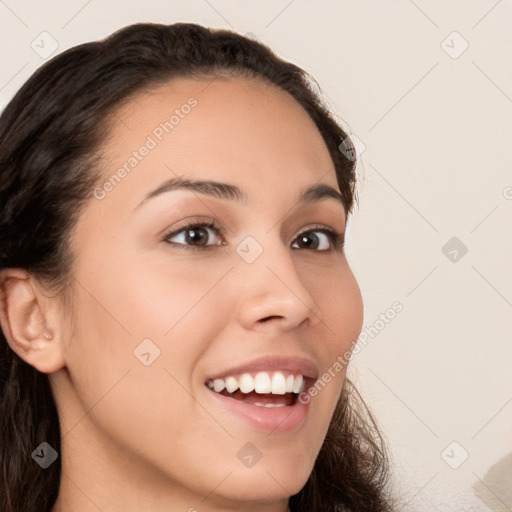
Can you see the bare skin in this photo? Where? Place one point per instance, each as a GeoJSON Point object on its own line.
{"type": "Point", "coordinates": [154, 438]}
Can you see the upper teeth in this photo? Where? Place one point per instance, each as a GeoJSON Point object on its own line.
{"type": "Point", "coordinates": [275, 383]}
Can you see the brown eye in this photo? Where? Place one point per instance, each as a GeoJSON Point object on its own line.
{"type": "Point", "coordinates": [194, 236]}
{"type": "Point", "coordinates": [318, 240]}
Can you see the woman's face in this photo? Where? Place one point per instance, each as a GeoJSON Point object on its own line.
{"type": "Point", "coordinates": [163, 313]}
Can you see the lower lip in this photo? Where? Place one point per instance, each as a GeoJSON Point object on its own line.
{"type": "Point", "coordinates": [269, 419]}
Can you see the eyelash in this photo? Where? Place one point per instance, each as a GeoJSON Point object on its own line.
{"type": "Point", "coordinates": [337, 240]}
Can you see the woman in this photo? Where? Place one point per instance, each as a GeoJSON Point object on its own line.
{"type": "Point", "coordinates": [177, 309]}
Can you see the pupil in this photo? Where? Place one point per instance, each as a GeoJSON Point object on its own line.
{"type": "Point", "coordinates": [304, 239]}
{"type": "Point", "coordinates": [198, 235]}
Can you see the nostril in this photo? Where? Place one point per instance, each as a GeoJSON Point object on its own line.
{"type": "Point", "coordinates": [269, 318]}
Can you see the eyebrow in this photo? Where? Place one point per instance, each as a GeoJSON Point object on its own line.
{"type": "Point", "coordinates": [317, 192]}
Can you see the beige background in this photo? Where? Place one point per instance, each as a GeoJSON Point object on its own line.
{"type": "Point", "coordinates": [436, 132]}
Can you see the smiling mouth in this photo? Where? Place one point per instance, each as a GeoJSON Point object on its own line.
{"type": "Point", "coordinates": [261, 389]}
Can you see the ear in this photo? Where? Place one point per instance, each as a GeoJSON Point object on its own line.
{"type": "Point", "coordinates": [27, 322]}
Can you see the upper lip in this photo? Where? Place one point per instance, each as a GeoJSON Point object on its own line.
{"type": "Point", "coordinates": [298, 365]}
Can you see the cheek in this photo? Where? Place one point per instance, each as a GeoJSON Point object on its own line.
{"type": "Point", "coordinates": [337, 293]}
{"type": "Point", "coordinates": [146, 408]}
{"type": "Point", "coordinates": [338, 296]}
{"type": "Point", "coordinates": [177, 305]}
{"type": "Point", "coordinates": [340, 300]}
{"type": "Point", "coordinates": [136, 312]}
{"type": "Point", "coordinates": [345, 308]}
{"type": "Point", "coordinates": [146, 299]}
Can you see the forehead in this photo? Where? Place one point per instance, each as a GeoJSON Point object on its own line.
{"type": "Point", "coordinates": [230, 115]}
{"type": "Point", "coordinates": [237, 130]}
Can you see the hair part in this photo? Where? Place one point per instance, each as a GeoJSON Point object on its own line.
{"type": "Point", "coordinates": [50, 139]}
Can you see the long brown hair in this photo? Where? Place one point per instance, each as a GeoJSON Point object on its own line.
{"type": "Point", "coordinates": [49, 138]}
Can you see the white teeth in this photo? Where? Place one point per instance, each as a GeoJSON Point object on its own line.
{"type": "Point", "coordinates": [278, 384]}
{"type": "Point", "coordinates": [246, 383]}
{"type": "Point", "coordinates": [262, 383]}
{"type": "Point", "coordinates": [218, 385]}
{"type": "Point", "coordinates": [297, 386]}
{"type": "Point", "coordinates": [289, 383]}
{"type": "Point", "coordinates": [231, 384]}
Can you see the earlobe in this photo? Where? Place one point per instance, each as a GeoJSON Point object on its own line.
{"type": "Point", "coordinates": [23, 318]}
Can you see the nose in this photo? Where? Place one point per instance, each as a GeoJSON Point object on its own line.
{"type": "Point", "coordinates": [273, 293]}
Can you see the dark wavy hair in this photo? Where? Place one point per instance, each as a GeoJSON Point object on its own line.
{"type": "Point", "coordinates": [50, 136]}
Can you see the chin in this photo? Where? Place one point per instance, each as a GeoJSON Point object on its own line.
{"type": "Point", "coordinates": [269, 481]}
